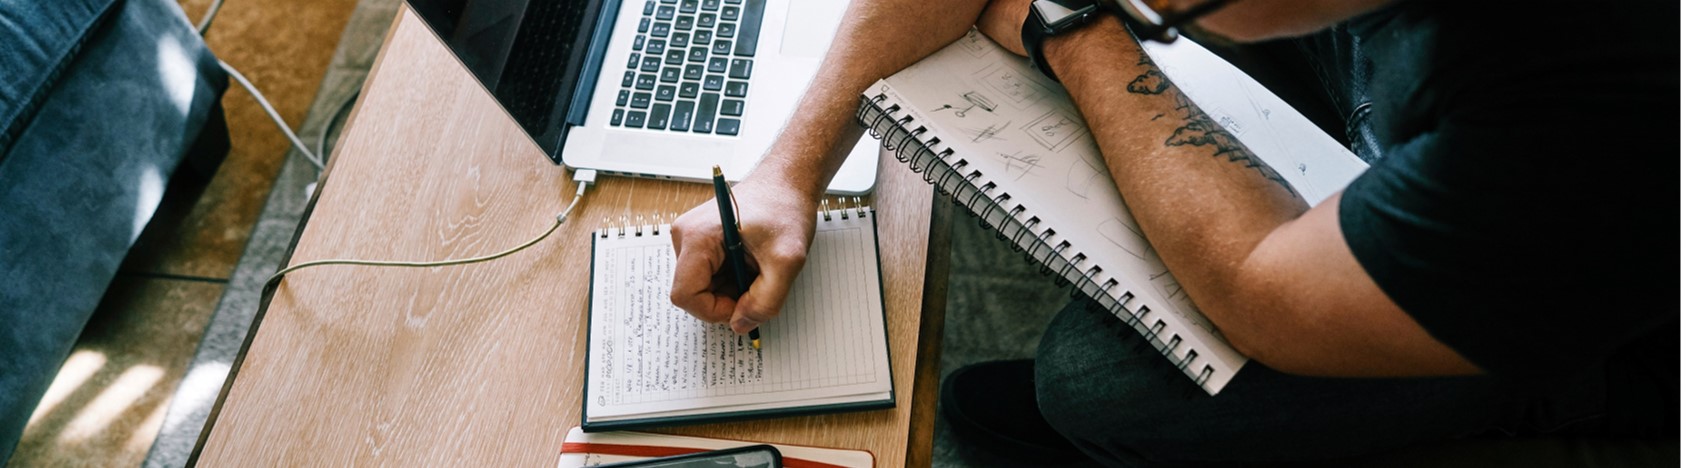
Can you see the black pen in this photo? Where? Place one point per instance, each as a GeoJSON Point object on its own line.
{"type": "Point", "coordinates": [734, 243]}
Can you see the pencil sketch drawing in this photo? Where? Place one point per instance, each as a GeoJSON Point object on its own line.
{"type": "Point", "coordinates": [973, 100]}
{"type": "Point", "coordinates": [989, 133]}
{"type": "Point", "coordinates": [1055, 130]}
{"type": "Point", "coordinates": [974, 43]}
{"type": "Point", "coordinates": [1020, 91]}
{"type": "Point", "coordinates": [1083, 179]}
{"type": "Point", "coordinates": [1018, 164]}
{"type": "Point", "coordinates": [1126, 236]}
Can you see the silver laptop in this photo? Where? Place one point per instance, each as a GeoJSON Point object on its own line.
{"type": "Point", "coordinates": [650, 88]}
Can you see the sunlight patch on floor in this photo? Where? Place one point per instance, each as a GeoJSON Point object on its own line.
{"type": "Point", "coordinates": [72, 375]}
{"type": "Point", "coordinates": [112, 402]}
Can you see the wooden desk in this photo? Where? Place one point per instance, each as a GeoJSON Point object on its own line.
{"type": "Point", "coordinates": [481, 365]}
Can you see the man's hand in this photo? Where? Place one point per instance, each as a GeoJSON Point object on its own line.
{"type": "Point", "coordinates": [777, 223]}
{"type": "Point", "coordinates": [776, 202]}
{"type": "Point", "coordinates": [1003, 21]}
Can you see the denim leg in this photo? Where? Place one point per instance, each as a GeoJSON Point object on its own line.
{"type": "Point", "coordinates": [1122, 403]}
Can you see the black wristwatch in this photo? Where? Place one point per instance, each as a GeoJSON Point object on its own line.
{"type": "Point", "coordinates": [1049, 18]}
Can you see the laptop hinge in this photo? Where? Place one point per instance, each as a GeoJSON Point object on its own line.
{"type": "Point", "coordinates": [596, 50]}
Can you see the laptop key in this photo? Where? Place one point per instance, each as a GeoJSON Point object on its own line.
{"type": "Point", "coordinates": [641, 100]}
{"type": "Point", "coordinates": [684, 23]}
{"type": "Point", "coordinates": [620, 99]}
{"type": "Point", "coordinates": [632, 62]}
{"type": "Point", "coordinates": [733, 2]}
{"type": "Point", "coordinates": [693, 71]}
{"type": "Point", "coordinates": [680, 39]}
{"type": "Point", "coordinates": [750, 30]}
{"type": "Point", "coordinates": [717, 65]}
{"type": "Point", "coordinates": [649, 7]}
{"type": "Point", "coordinates": [714, 82]}
{"type": "Point", "coordinates": [705, 20]}
{"type": "Point", "coordinates": [682, 115]}
{"type": "Point", "coordinates": [657, 47]}
{"type": "Point", "coordinates": [658, 117]}
{"type": "Point", "coordinates": [729, 13]}
{"type": "Point", "coordinates": [643, 25]}
{"type": "Point", "coordinates": [638, 42]}
{"type": "Point", "coordinates": [626, 80]}
{"type": "Point", "coordinates": [699, 54]}
{"type": "Point", "coordinates": [732, 107]}
{"type": "Point", "coordinates": [665, 93]}
{"type": "Point", "coordinates": [711, 5]}
{"type": "Point", "coordinates": [688, 89]}
{"type": "Point", "coordinates": [675, 56]}
{"type": "Point", "coordinates": [635, 119]}
{"type": "Point", "coordinates": [660, 29]}
{"type": "Point", "coordinates": [687, 6]}
{"type": "Point", "coordinates": [740, 69]}
{"type": "Point", "coordinates": [726, 30]}
{"type": "Point", "coordinates": [702, 37]}
{"type": "Point", "coordinates": [726, 126]}
{"type": "Point", "coordinates": [664, 13]}
{"type": "Point", "coordinates": [704, 123]}
{"type": "Point", "coordinates": [722, 48]}
{"type": "Point", "coordinates": [651, 64]}
{"type": "Point", "coordinates": [670, 75]}
{"type": "Point", "coordinates": [736, 88]}
{"type": "Point", "coordinates": [646, 82]}
{"type": "Point", "coordinates": [615, 118]}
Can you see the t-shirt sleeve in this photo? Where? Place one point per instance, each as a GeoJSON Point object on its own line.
{"type": "Point", "coordinates": [1525, 210]}
{"type": "Point", "coordinates": [1527, 246]}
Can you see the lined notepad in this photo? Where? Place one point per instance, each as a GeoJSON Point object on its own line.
{"type": "Point", "coordinates": [651, 364]}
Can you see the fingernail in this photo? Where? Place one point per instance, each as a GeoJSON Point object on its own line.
{"type": "Point", "coordinates": [744, 324]}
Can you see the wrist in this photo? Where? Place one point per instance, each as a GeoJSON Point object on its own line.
{"type": "Point", "coordinates": [779, 173]}
{"type": "Point", "coordinates": [1068, 53]}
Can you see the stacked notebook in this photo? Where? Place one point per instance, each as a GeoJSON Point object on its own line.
{"type": "Point", "coordinates": [987, 128]}
{"type": "Point", "coordinates": [583, 449]}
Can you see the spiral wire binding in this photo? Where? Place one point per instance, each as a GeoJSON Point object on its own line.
{"type": "Point", "coordinates": [637, 225]}
{"type": "Point", "coordinates": [967, 189]}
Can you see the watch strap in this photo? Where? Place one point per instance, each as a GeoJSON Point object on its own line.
{"type": "Point", "coordinates": [1038, 28]}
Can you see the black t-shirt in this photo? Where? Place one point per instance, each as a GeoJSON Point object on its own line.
{"type": "Point", "coordinates": [1525, 207]}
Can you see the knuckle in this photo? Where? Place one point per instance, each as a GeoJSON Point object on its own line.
{"type": "Point", "coordinates": [757, 311]}
{"type": "Point", "coordinates": [788, 254]}
{"type": "Point", "coordinates": [681, 301]}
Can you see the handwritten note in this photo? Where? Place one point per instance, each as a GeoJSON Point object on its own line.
{"type": "Point", "coordinates": [648, 356]}
{"type": "Point", "coordinates": [664, 352]}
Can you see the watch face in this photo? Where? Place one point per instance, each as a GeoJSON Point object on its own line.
{"type": "Point", "coordinates": [1059, 16]}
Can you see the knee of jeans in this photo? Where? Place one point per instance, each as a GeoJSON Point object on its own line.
{"type": "Point", "coordinates": [1100, 386]}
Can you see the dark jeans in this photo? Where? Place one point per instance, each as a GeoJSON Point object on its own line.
{"type": "Point", "coordinates": [1123, 404]}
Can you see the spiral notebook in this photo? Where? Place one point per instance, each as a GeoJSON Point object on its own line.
{"type": "Point", "coordinates": [988, 129]}
{"type": "Point", "coordinates": [650, 364]}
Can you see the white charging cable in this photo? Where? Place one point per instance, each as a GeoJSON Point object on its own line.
{"type": "Point", "coordinates": [584, 178]}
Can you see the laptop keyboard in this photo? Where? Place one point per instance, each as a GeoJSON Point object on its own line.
{"type": "Point", "coordinates": [690, 65]}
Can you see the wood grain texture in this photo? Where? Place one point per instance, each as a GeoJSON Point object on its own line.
{"type": "Point", "coordinates": [481, 364]}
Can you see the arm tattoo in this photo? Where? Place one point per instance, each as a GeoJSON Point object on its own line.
{"type": "Point", "coordinates": [1198, 129]}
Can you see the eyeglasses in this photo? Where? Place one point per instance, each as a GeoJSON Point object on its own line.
{"type": "Point", "coordinates": [1149, 24]}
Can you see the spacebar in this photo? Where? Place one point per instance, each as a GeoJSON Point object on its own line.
{"type": "Point", "coordinates": [749, 28]}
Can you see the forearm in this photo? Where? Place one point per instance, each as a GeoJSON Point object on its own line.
{"type": "Point", "coordinates": [877, 38]}
{"type": "Point", "coordinates": [1202, 199]}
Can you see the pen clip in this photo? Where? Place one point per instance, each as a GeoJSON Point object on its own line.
{"type": "Point", "coordinates": [736, 213]}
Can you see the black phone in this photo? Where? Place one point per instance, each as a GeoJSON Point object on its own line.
{"type": "Point", "coordinates": [753, 456]}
